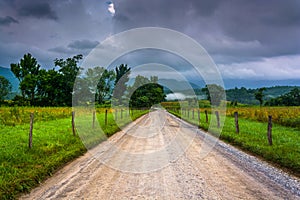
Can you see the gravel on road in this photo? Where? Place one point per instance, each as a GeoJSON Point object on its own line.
{"type": "Point", "coordinates": [161, 157]}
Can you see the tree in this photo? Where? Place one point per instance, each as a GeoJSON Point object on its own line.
{"type": "Point", "coordinates": [291, 98]}
{"type": "Point", "coordinates": [104, 86]}
{"type": "Point", "coordinates": [122, 77]}
{"type": "Point", "coordinates": [5, 88]}
{"type": "Point", "coordinates": [82, 93]}
{"type": "Point", "coordinates": [27, 73]}
{"type": "Point", "coordinates": [49, 87]}
{"type": "Point", "coordinates": [259, 95]}
{"type": "Point", "coordinates": [145, 92]}
{"type": "Point", "coordinates": [294, 96]}
{"type": "Point", "coordinates": [69, 70]}
{"type": "Point", "coordinates": [214, 93]}
{"type": "Point", "coordinates": [100, 83]}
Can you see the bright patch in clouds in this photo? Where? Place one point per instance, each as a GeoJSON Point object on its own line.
{"type": "Point", "coordinates": [111, 8]}
{"type": "Point", "coordinates": [175, 96]}
{"type": "Point", "coordinates": [277, 68]}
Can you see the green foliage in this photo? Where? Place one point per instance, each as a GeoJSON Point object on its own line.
{"type": "Point", "coordinates": [96, 85]}
{"type": "Point", "coordinates": [259, 95]}
{"type": "Point", "coordinates": [27, 73]}
{"type": "Point", "coordinates": [27, 65]}
{"type": "Point", "coordinates": [42, 87]}
{"type": "Point", "coordinates": [241, 95]}
{"type": "Point", "coordinates": [122, 77]}
{"type": "Point", "coordinates": [70, 70]}
{"type": "Point", "coordinates": [22, 168]}
{"type": "Point", "coordinates": [145, 92]}
{"type": "Point", "coordinates": [54, 145]}
{"type": "Point", "coordinates": [48, 88]}
{"type": "Point", "coordinates": [285, 116]}
{"type": "Point", "coordinates": [14, 116]}
{"type": "Point", "coordinates": [290, 99]}
{"type": "Point", "coordinates": [214, 93]}
{"type": "Point", "coordinates": [284, 152]}
{"type": "Point", "coordinates": [5, 88]}
{"type": "Point", "coordinates": [99, 81]}
{"type": "Point", "coordinates": [247, 96]}
{"type": "Point", "coordinates": [104, 86]}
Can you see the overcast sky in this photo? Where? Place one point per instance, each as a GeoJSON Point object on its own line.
{"type": "Point", "coordinates": [247, 39]}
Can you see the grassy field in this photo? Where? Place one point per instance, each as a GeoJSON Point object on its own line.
{"type": "Point", "coordinates": [54, 145]}
{"type": "Point", "coordinates": [285, 151]}
{"type": "Point", "coordinates": [286, 116]}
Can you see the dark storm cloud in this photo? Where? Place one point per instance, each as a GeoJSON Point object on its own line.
{"type": "Point", "coordinates": [264, 21]}
{"type": "Point", "coordinates": [233, 28]}
{"type": "Point", "coordinates": [6, 21]}
{"type": "Point", "coordinates": [238, 34]}
{"type": "Point", "coordinates": [37, 9]}
{"type": "Point", "coordinates": [61, 49]}
{"type": "Point", "coordinates": [83, 44]}
{"type": "Point", "coordinates": [75, 47]}
{"type": "Point", "coordinates": [167, 13]}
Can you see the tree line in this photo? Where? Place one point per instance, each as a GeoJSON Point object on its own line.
{"type": "Point", "coordinates": [273, 96]}
{"type": "Point", "coordinates": [215, 94]}
{"type": "Point", "coordinates": [56, 87]}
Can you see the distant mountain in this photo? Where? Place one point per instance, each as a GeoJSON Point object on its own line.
{"type": "Point", "coordinates": [247, 96]}
{"type": "Point", "coordinates": [6, 72]}
{"type": "Point", "coordinates": [240, 94]}
{"type": "Point", "coordinates": [170, 84]}
{"type": "Point", "coordinates": [177, 85]}
{"type": "Point", "coordinates": [232, 83]}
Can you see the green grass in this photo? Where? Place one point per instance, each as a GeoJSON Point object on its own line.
{"type": "Point", "coordinates": [285, 151]}
{"type": "Point", "coordinates": [22, 168]}
{"type": "Point", "coordinates": [12, 116]}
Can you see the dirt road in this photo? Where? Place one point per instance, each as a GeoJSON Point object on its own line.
{"type": "Point", "coordinates": [161, 157]}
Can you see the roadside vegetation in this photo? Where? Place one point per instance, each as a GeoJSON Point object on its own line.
{"type": "Point", "coordinates": [54, 145]}
{"type": "Point", "coordinates": [285, 151]}
{"type": "Point", "coordinates": [49, 95]}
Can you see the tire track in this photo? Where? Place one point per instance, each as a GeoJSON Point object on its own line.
{"type": "Point", "coordinates": [159, 157]}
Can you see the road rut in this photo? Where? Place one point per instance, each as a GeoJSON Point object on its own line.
{"type": "Point", "coordinates": [159, 157]}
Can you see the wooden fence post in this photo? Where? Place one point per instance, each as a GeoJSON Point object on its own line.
{"type": "Point", "coordinates": [193, 114]}
{"type": "Point", "coordinates": [218, 118]}
{"type": "Point", "coordinates": [121, 113]}
{"type": "Point", "coordinates": [236, 119]}
{"type": "Point", "coordinates": [94, 116]}
{"type": "Point", "coordinates": [73, 123]}
{"type": "Point", "coordinates": [270, 130]}
{"type": "Point", "coordinates": [199, 118]}
{"type": "Point", "coordinates": [188, 113]}
{"type": "Point", "coordinates": [206, 116]}
{"type": "Point", "coordinates": [106, 117]}
{"type": "Point", "coordinates": [30, 130]}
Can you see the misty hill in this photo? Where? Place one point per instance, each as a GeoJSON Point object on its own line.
{"type": "Point", "coordinates": [177, 86]}
{"type": "Point", "coordinates": [246, 96]}
{"type": "Point", "coordinates": [253, 84]}
{"type": "Point", "coordinates": [6, 72]}
{"type": "Point", "coordinates": [242, 95]}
